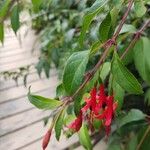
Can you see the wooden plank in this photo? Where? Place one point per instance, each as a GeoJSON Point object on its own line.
{"type": "Point", "coordinates": [54, 145]}
{"type": "Point", "coordinates": [17, 122]}
{"type": "Point", "coordinates": [15, 65]}
{"type": "Point", "coordinates": [21, 105]}
{"type": "Point", "coordinates": [27, 55]}
{"type": "Point", "coordinates": [14, 52]}
{"type": "Point", "coordinates": [22, 138]}
{"type": "Point", "coordinates": [21, 91]}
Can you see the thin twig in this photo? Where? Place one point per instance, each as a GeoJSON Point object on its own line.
{"type": "Point", "coordinates": [143, 138]}
{"type": "Point", "coordinates": [136, 37]}
{"type": "Point", "coordinates": [123, 20]}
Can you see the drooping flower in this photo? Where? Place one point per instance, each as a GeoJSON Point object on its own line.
{"type": "Point", "coordinates": [77, 123]}
{"type": "Point", "coordinates": [108, 113]}
{"type": "Point", "coordinates": [46, 139]}
{"type": "Point", "coordinates": [90, 102]}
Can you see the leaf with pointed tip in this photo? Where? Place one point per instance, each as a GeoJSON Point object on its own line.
{"type": "Point", "coordinates": [59, 124]}
{"type": "Point", "coordinates": [124, 77]}
{"type": "Point", "coordinates": [43, 102]}
{"type": "Point", "coordinates": [15, 23]}
{"type": "Point", "coordinates": [84, 137]}
{"type": "Point", "coordinates": [1, 33]}
{"type": "Point", "coordinates": [74, 71]}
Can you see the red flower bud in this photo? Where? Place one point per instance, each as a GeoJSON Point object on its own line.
{"type": "Point", "coordinates": [77, 123]}
{"type": "Point", "coordinates": [46, 139]}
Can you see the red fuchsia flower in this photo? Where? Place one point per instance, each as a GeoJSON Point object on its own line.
{"type": "Point", "coordinates": [90, 102]}
{"type": "Point", "coordinates": [108, 113]}
{"type": "Point", "coordinates": [77, 123]}
{"type": "Point", "coordinates": [101, 99]}
{"type": "Point", "coordinates": [46, 139]}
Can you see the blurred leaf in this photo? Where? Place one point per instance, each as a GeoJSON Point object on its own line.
{"type": "Point", "coordinates": [84, 138]}
{"type": "Point", "coordinates": [36, 4]}
{"type": "Point", "coordinates": [60, 91]}
{"type": "Point", "coordinates": [46, 68]}
{"type": "Point", "coordinates": [128, 28]}
{"type": "Point", "coordinates": [92, 12]}
{"type": "Point", "coordinates": [125, 78]}
{"type": "Point", "coordinates": [105, 27]}
{"type": "Point", "coordinates": [132, 116]}
{"type": "Point", "coordinates": [1, 33]}
{"type": "Point", "coordinates": [133, 141]}
{"type": "Point", "coordinates": [105, 69]}
{"type": "Point", "coordinates": [59, 124]}
{"type": "Point", "coordinates": [147, 97]}
{"type": "Point", "coordinates": [15, 23]}
{"type": "Point", "coordinates": [95, 47]}
{"type": "Point", "coordinates": [139, 8]}
{"type": "Point", "coordinates": [118, 94]}
{"type": "Point", "coordinates": [139, 55]}
{"type": "Point", "coordinates": [43, 102]}
{"type": "Point", "coordinates": [4, 8]}
{"type": "Point", "coordinates": [74, 71]}
{"type": "Point", "coordinates": [114, 147]}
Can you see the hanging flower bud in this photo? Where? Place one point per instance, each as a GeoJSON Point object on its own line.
{"type": "Point", "coordinates": [46, 139]}
{"type": "Point", "coordinates": [76, 124]}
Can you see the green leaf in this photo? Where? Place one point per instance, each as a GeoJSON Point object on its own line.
{"type": "Point", "coordinates": [92, 12]}
{"type": "Point", "coordinates": [147, 97]}
{"type": "Point", "coordinates": [60, 91]}
{"type": "Point", "coordinates": [2, 33]}
{"type": "Point", "coordinates": [84, 138]}
{"type": "Point", "coordinates": [4, 8]}
{"type": "Point", "coordinates": [139, 8]}
{"type": "Point", "coordinates": [133, 141]}
{"type": "Point", "coordinates": [36, 4]}
{"type": "Point", "coordinates": [105, 69]}
{"type": "Point", "coordinates": [142, 53]}
{"type": "Point", "coordinates": [125, 78]}
{"type": "Point", "coordinates": [118, 94]}
{"type": "Point", "coordinates": [128, 28]}
{"type": "Point", "coordinates": [105, 28]}
{"type": "Point", "coordinates": [114, 146]}
{"type": "Point", "coordinates": [43, 102]}
{"type": "Point", "coordinates": [146, 46]}
{"type": "Point", "coordinates": [132, 116]}
{"type": "Point", "coordinates": [15, 23]}
{"type": "Point", "coordinates": [59, 124]}
{"type": "Point", "coordinates": [74, 71]}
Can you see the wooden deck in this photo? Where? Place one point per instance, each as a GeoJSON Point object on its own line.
{"type": "Point", "coordinates": [21, 124]}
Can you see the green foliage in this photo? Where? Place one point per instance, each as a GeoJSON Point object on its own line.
{"type": "Point", "coordinates": [15, 23]}
{"type": "Point", "coordinates": [42, 102]}
{"type": "Point", "coordinates": [141, 52]}
{"type": "Point", "coordinates": [139, 8]}
{"type": "Point", "coordinates": [59, 123]}
{"type": "Point", "coordinates": [124, 77]}
{"type": "Point", "coordinates": [132, 116]}
{"type": "Point", "coordinates": [1, 33]}
{"type": "Point", "coordinates": [105, 28]}
{"type": "Point", "coordinates": [105, 69]}
{"type": "Point", "coordinates": [84, 138]}
{"type": "Point", "coordinates": [91, 13]}
{"type": "Point", "coordinates": [74, 71]}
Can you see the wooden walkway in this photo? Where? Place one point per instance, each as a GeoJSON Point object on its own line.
{"type": "Point", "coordinates": [21, 124]}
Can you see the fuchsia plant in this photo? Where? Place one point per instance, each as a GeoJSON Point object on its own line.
{"type": "Point", "coordinates": [86, 93]}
